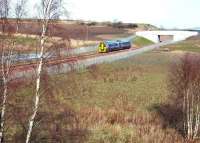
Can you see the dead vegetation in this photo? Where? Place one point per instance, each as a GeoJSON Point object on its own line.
{"type": "Point", "coordinates": [74, 31]}
{"type": "Point", "coordinates": [122, 102]}
{"type": "Point", "coordinates": [185, 89]}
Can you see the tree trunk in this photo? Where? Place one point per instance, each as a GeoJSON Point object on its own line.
{"type": "Point", "coordinates": [5, 67]}
{"type": "Point", "coordinates": [37, 93]}
{"type": "Point", "coordinates": [5, 93]}
{"type": "Point", "coordinates": [17, 28]}
{"type": "Point", "coordinates": [47, 10]}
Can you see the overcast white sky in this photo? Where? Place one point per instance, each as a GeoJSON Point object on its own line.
{"type": "Point", "coordinates": [167, 13]}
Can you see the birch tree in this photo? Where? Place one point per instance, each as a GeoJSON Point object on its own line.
{"type": "Point", "coordinates": [49, 10]}
{"type": "Point", "coordinates": [4, 10]}
{"type": "Point", "coordinates": [185, 86]}
{"type": "Point", "coordinates": [6, 49]}
{"type": "Point", "coordinates": [19, 12]}
{"type": "Point", "coordinates": [4, 66]}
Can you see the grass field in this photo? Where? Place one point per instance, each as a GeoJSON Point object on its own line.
{"type": "Point", "coordinates": [26, 41]}
{"type": "Point", "coordinates": [121, 102]}
{"type": "Point", "coordinates": [141, 42]}
{"type": "Point", "coordinates": [190, 45]}
{"type": "Point", "coordinates": [124, 95]}
{"type": "Point", "coordinates": [112, 103]}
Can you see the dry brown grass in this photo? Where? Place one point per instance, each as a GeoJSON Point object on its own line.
{"type": "Point", "coordinates": [122, 102]}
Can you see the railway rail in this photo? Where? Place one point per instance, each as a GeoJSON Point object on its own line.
{"type": "Point", "coordinates": [66, 64]}
{"type": "Point", "coordinates": [61, 60]}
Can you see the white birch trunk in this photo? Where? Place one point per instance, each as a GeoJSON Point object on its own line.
{"type": "Point", "coordinates": [5, 93]}
{"type": "Point", "coordinates": [197, 119]}
{"type": "Point", "coordinates": [5, 69]}
{"type": "Point", "coordinates": [37, 92]}
{"type": "Point", "coordinates": [17, 27]}
{"type": "Point", "coordinates": [47, 11]}
{"type": "Point", "coordinates": [191, 109]}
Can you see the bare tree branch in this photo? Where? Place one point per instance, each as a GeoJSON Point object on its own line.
{"type": "Point", "coordinates": [4, 11]}
{"type": "Point", "coordinates": [49, 10]}
{"type": "Point", "coordinates": [185, 86]}
{"type": "Point", "coordinates": [6, 61]}
{"type": "Point", "coordinates": [19, 12]}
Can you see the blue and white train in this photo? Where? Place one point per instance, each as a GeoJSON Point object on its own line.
{"type": "Point", "coordinates": [109, 46]}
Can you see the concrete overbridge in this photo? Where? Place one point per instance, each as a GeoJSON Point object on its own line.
{"type": "Point", "coordinates": [161, 36]}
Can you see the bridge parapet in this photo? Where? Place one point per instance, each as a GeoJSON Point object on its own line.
{"type": "Point", "coordinates": [160, 36]}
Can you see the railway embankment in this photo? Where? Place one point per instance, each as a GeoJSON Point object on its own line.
{"type": "Point", "coordinates": [83, 62]}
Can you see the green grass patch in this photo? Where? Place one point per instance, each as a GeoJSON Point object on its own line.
{"type": "Point", "coordinates": [22, 44]}
{"type": "Point", "coordinates": [189, 45]}
{"type": "Point", "coordinates": [184, 46]}
{"type": "Point", "coordinates": [20, 40]}
{"type": "Point", "coordinates": [26, 41]}
{"type": "Point", "coordinates": [140, 41]}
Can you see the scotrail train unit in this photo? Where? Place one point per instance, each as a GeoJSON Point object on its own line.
{"type": "Point", "coordinates": [109, 46]}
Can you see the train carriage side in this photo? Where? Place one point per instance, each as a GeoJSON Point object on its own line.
{"type": "Point", "coordinates": [125, 44]}
{"type": "Point", "coordinates": [113, 46]}
{"type": "Point", "coordinates": [109, 46]}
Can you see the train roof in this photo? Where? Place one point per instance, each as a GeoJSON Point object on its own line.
{"type": "Point", "coordinates": [112, 41]}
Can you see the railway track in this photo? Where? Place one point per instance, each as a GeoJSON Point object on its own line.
{"type": "Point", "coordinates": [61, 60]}
{"type": "Point", "coordinates": [81, 61]}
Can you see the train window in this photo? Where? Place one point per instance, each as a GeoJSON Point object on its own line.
{"type": "Point", "coordinates": [102, 44]}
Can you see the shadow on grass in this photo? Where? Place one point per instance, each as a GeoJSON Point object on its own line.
{"type": "Point", "coordinates": [59, 129]}
{"type": "Point", "coordinates": [170, 115]}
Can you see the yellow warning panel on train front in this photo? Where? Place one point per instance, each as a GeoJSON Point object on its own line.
{"type": "Point", "coordinates": [102, 48]}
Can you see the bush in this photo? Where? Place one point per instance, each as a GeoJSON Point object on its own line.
{"type": "Point", "coordinates": [92, 23]}
{"type": "Point", "coordinates": [124, 25]}
{"type": "Point", "coordinates": [185, 90]}
{"type": "Point", "coordinates": [132, 25]}
{"type": "Point", "coordinates": [118, 25]}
